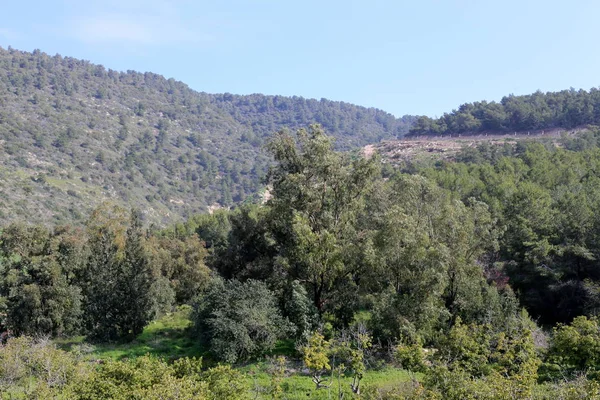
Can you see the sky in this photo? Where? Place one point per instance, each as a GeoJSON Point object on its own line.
{"type": "Point", "coordinates": [421, 57]}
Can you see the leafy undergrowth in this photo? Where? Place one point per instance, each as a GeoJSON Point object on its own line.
{"type": "Point", "coordinates": [285, 347]}
{"type": "Point", "coordinates": [166, 337]}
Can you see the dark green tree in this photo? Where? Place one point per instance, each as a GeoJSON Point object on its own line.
{"type": "Point", "coordinates": [118, 278]}
{"type": "Point", "coordinates": [37, 291]}
{"type": "Point", "coordinates": [239, 320]}
{"type": "Point", "coordinates": [136, 279]}
{"type": "Point", "coordinates": [317, 196]}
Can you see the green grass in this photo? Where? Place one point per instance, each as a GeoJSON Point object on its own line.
{"type": "Point", "coordinates": [298, 385]}
{"type": "Point", "coordinates": [166, 337]}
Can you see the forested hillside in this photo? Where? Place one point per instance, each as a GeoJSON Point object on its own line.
{"type": "Point", "coordinates": [73, 134]}
{"type": "Point", "coordinates": [478, 276]}
{"type": "Point", "coordinates": [565, 109]}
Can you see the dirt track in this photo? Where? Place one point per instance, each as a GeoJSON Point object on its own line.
{"type": "Point", "coordinates": [448, 145]}
{"type": "Point", "coordinates": [556, 132]}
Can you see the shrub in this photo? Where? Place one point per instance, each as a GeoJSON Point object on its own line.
{"type": "Point", "coordinates": [28, 366]}
{"type": "Point", "coordinates": [411, 355]}
{"type": "Point", "coordinates": [224, 382]}
{"type": "Point", "coordinates": [574, 348]}
{"type": "Point", "coordinates": [238, 320]}
{"type": "Point", "coordinates": [143, 378]}
{"type": "Point", "coordinates": [315, 356]}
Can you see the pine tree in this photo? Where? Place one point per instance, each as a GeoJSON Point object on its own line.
{"type": "Point", "coordinates": [136, 283]}
{"type": "Point", "coordinates": [100, 284]}
{"type": "Point", "coordinates": [118, 277]}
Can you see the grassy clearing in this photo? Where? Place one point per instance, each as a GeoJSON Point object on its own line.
{"type": "Point", "coordinates": [167, 337]}
{"type": "Point", "coordinates": [298, 385]}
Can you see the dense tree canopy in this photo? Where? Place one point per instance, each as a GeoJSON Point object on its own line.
{"type": "Point", "coordinates": [565, 109]}
{"type": "Point", "coordinates": [546, 202]}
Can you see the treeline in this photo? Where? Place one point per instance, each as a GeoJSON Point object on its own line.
{"type": "Point", "coordinates": [107, 280]}
{"type": "Point", "coordinates": [538, 111]}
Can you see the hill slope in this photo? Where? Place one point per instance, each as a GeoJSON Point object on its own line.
{"type": "Point", "coordinates": [73, 134]}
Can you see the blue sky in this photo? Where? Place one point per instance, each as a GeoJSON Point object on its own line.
{"type": "Point", "coordinates": [405, 57]}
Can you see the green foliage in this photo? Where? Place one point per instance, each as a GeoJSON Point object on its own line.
{"type": "Point", "coordinates": [166, 337]}
{"type": "Point", "coordinates": [315, 356]}
{"type": "Point", "coordinates": [30, 368]}
{"type": "Point", "coordinates": [137, 277]}
{"type": "Point", "coordinates": [428, 248]}
{"type": "Point", "coordinates": [278, 374]}
{"type": "Point", "coordinates": [37, 285]}
{"type": "Point", "coordinates": [545, 200]}
{"type": "Point", "coordinates": [428, 262]}
{"type": "Point", "coordinates": [121, 379]}
{"type": "Point", "coordinates": [239, 320]}
{"type": "Point", "coordinates": [299, 309]}
{"type": "Point", "coordinates": [351, 350]}
{"type": "Point", "coordinates": [317, 196]}
{"type": "Point", "coordinates": [411, 355]}
{"type": "Point", "coordinates": [457, 385]}
{"type": "Point", "coordinates": [181, 263]}
{"type": "Point", "coordinates": [213, 228]}
{"type": "Point", "coordinates": [150, 378]}
{"type": "Point", "coordinates": [505, 363]}
{"type": "Point", "coordinates": [225, 382]}
{"type": "Point", "coordinates": [466, 348]}
{"type": "Point", "coordinates": [248, 251]}
{"type": "Point", "coordinates": [578, 388]}
{"type": "Point", "coordinates": [345, 355]}
{"type": "Point", "coordinates": [575, 348]}
{"type": "Point", "coordinates": [111, 279]}
{"type": "Point", "coordinates": [37, 370]}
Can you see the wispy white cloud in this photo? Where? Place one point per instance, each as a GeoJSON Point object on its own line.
{"type": "Point", "coordinates": [158, 24]}
{"type": "Point", "coordinates": [8, 34]}
{"type": "Point", "coordinates": [108, 29]}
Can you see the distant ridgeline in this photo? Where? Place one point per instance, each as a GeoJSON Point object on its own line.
{"type": "Point", "coordinates": [73, 134]}
{"type": "Point", "coordinates": [565, 109]}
